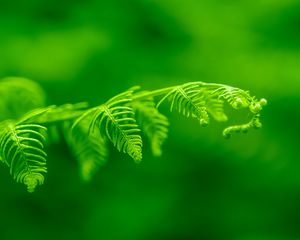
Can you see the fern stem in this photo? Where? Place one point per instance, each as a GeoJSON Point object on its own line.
{"type": "Point", "coordinates": [146, 95]}
{"type": "Point", "coordinates": [163, 91]}
{"type": "Point", "coordinates": [78, 113]}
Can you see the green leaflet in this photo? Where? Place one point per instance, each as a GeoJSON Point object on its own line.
{"type": "Point", "coordinates": [189, 101]}
{"type": "Point", "coordinates": [90, 150]}
{"type": "Point", "coordinates": [153, 124]}
{"type": "Point", "coordinates": [236, 97]}
{"type": "Point", "coordinates": [22, 149]}
{"type": "Point", "coordinates": [116, 120]}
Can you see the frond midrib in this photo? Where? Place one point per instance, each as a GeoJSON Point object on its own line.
{"type": "Point", "coordinates": [118, 126]}
{"type": "Point", "coordinates": [21, 151]}
{"type": "Point", "coordinates": [190, 100]}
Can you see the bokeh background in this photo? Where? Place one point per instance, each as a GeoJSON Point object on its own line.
{"type": "Point", "coordinates": [203, 187]}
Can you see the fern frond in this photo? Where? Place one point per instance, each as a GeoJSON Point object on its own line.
{"type": "Point", "coordinates": [153, 123]}
{"type": "Point", "coordinates": [116, 120]}
{"type": "Point", "coordinates": [236, 97]}
{"type": "Point", "coordinates": [189, 100]}
{"type": "Point", "coordinates": [22, 149]}
{"type": "Point", "coordinates": [90, 150]}
{"type": "Point", "coordinates": [87, 130]}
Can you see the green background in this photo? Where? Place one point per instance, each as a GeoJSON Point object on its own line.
{"type": "Point", "coordinates": [203, 187]}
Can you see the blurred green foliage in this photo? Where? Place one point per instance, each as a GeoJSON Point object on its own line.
{"type": "Point", "coordinates": [203, 187]}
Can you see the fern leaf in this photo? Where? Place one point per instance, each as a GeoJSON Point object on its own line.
{"type": "Point", "coordinates": [189, 100]}
{"type": "Point", "coordinates": [22, 150]}
{"type": "Point", "coordinates": [117, 121]}
{"type": "Point", "coordinates": [153, 123]}
{"type": "Point", "coordinates": [90, 150]}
